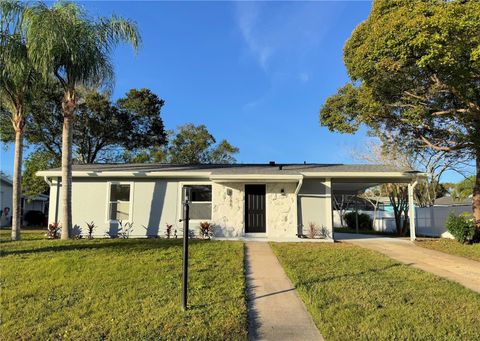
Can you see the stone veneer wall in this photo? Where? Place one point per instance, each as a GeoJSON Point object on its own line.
{"type": "Point", "coordinates": [228, 211]}
{"type": "Point", "coordinates": [281, 210]}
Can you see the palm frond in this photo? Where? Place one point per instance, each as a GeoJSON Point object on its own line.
{"type": "Point", "coordinates": [63, 41]}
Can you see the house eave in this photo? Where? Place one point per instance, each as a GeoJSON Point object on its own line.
{"type": "Point", "coordinates": [93, 174]}
{"type": "Point", "coordinates": [256, 178]}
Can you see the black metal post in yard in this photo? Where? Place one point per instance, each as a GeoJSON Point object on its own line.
{"type": "Point", "coordinates": [185, 250]}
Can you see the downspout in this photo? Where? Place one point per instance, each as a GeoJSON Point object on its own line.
{"type": "Point", "coordinates": [49, 183]}
{"type": "Point", "coordinates": [300, 183]}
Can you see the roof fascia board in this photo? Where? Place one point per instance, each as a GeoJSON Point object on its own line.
{"type": "Point", "coordinates": [363, 175]}
{"type": "Point", "coordinates": [113, 174]}
{"type": "Point", "coordinates": [255, 177]}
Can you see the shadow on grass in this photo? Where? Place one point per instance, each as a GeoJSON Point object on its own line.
{"type": "Point", "coordinates": [121, 244]}
{"type": "Point", "coordinates": [332, 278]}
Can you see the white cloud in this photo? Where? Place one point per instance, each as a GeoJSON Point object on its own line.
{"type": "Point", "coordinates": [247, 15]}
{"type": "Point", "coordinates": [280, 33]}
{"type": "Point", "coordinates": [303, 77]}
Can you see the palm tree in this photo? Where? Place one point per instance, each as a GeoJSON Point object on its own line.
{"type": "Point", "coordinates": [16, 82]}
{"type": "Point", "coordinates": [63, 42]}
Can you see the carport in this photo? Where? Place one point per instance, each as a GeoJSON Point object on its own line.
{"type": "Point", "coordinates": [349, 184]}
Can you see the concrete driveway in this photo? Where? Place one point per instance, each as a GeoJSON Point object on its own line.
{"type": "Point", "coordinates": [458, 269]}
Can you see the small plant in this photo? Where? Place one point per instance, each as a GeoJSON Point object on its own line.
{"type": "Point", "coordinates": [53, 231]}
{"type": "Point", "coordinates": [124, 229]}
{"type": "Point", "coordinates": [461, 227]}
{"type": "Point", "coordinates": [168, 231]}
{"type": "Point", "coordinates": [206, 231]}
{"type": "Point", "coordinates": [90, 227]}
{"type": "Point", "coordinates": [313, 231]}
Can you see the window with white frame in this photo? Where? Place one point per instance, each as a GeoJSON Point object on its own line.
{"type": "Point", "coordinates": [200, 201]}
{"type": "Point", "coordinates": [119, 205]}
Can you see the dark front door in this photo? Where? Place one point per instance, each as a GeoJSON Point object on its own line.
{"type": "Point", "coordinates": [255, 218]}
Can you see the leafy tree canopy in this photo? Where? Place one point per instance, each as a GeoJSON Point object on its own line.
{"type": "Point", "coordinates": [415, 68]}
{"type": "Point", "coordinates": [463, 189]}
{"type": "Point", "coordinates": [190, 144]}
{"type": "Point", "coordinates": [38, 160]}
{"type": "Point", "coordinates": [415, 73]}
{"type": "Point", "coordinates": [194, 144]}
{"type": "Point", "coordinates": [102, 130]}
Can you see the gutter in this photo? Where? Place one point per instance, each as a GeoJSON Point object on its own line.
{"type": "Point", "coordinates": [113, 174]}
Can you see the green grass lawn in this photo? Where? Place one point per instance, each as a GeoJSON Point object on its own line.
{"type": "Point", "coordinates": [452, 247]}
{"type": "Point", "coordinates": [120, 290]}
{"type": "Point", "coordinates": [358, 294]}
{"type": "Point", "coordinates": [349, 230]}
{"type": "Point", "coordinates": [26, 234]}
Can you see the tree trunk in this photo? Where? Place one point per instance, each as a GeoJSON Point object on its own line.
{"type": "Point", "coordinates": [476, 193]}
{"type": "Point", "coordinates": [66, 198]}
{"type": "Point", "coordinates": [17, 182]}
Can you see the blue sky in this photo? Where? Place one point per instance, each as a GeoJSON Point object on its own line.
{"type": "Point", "coordinates": [256, 73]}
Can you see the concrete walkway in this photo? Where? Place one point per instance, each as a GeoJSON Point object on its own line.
{"type": "Point", "coordinates": [275, 312]}
{"type": "Point", "coordinates": [455, 268]}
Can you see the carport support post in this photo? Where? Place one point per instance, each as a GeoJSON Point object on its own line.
{"type": "Point", "coordinates": [411, 210]}
{"type": "Point", "coordinates": [356, 214]}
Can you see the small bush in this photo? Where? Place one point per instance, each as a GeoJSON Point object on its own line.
{"type": "Point", "coordinates": [461, 227]}
{"type": "Point", "coordinates": [313, 231]}
{"type": "Point", "coordinates": [53, 231]}
{"type": "Point", "coordinates": [364, 221]}
{"type": "Point", "coordinates": [90, 227]}
{"type": "Point", "coordinates": [168, 231]}
{"type": "Point", "coordinates": [206, 230]}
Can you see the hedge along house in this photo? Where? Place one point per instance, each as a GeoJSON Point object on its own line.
{"type": "Point", "coordinates": [271, 201]}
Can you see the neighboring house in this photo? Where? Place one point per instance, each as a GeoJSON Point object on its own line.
{"type": "Point", "coordinates": [39, 203]}
{"type": "Point", "coordinates": [6, 192]}
{"type": "Point", "coordinates": [274, 201]}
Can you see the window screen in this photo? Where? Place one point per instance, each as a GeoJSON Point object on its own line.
{"type": "Point", "coordinates": [200, 202]}
{"type": "Point", "coordinates": [119, 202]}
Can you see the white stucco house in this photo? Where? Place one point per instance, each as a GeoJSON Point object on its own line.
{"type": "Point", "coordinates": [38, 203]}
{"type": "Point", "coordinates": [271, 201]}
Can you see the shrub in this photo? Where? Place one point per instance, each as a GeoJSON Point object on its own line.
{"type": "Point", "coordinates": [53, 231]}
{"type": "Point", "coordinates": [313, 231]}
{"type": "Point", "coordinates": [124, 229]}
{"type": "Point", "coordinates": [461, 227]}
{"type": "Point", "coordinates": [168, 231]}
{"type": "Point", "coordinates": [34, 218]}
{"type": "Point", "coordinates": [364, 221]}
{"type": "Point", "coordinates": [206, 231]}
{"type": "Point", "coordinates": [90, 227]}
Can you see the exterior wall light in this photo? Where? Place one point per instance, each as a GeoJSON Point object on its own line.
{"type": "Point", "coordinates": [229, 192]}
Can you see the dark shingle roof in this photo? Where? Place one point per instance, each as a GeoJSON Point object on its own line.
{"type": "Point", "coordinates": [223, 169]}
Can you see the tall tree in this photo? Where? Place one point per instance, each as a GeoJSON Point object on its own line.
{"type": "Point", "coordinates": [63, 42]}
{"type": "Point", "coordinates": [464, 189]}
{"type": "Point", "coordinates": [39, 160]}
{"type": "Point", "coordinates": [102, 130]}
{"type": "Point", "coordinates": [195, 145]}
{"type": "Point", "coordinates": [415, 71]}
{"type": "Point", "coordinates": [16, 83]}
